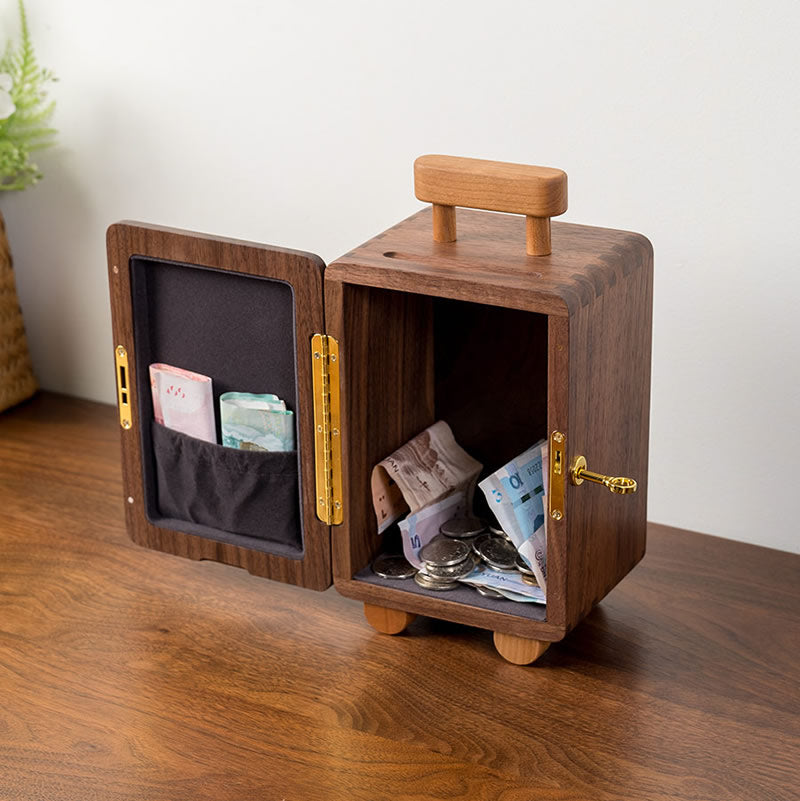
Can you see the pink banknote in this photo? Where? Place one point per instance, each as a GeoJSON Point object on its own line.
{"type": "Point", "coordinates": [183, 401]}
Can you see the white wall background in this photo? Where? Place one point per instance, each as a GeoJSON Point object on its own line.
{"type": "Point", "coordinates": [297, 124]}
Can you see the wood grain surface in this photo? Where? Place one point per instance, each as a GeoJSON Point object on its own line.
{"type": "Point", "coordinates": [449, 181]}
{"type": "Point", "coordinates": [129, 674]}
{"type": "Point", "coordinates": [386, 351]}
{"type": "Point", "coordinates": [609, 423]}
{"type": "Point", "coordinates": [491, 185]}
{"type": "Point", "coordinates": [303, 271]}
{"type": "Point", "coordinates": [487, 264]}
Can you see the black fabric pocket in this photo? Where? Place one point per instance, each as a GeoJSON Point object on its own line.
{"type": "Point", "coordinates": [249, 493]}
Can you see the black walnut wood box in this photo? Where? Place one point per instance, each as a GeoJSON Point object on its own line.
{"type": "Point", "coordinates": [508, 329]}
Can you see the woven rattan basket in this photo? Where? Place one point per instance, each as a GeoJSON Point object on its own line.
{"type": "Point", "coordinates": [16, 375]}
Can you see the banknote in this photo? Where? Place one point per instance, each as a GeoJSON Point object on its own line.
{"type": "Point", "coordinates": [256, 422]}
{"type": "Point", "coordinates": [513, 596]}
{"type": "Point", "coordinates": [249, 400]}
{"type": "Point", "coordinates": [421, 472]}
{"type": "Point", "coordinates": [515, 493]}
{"type": "Point", "coordinates": [420, 527]}
{"type": "Point", "coordinates": [508, 583]}
{"type": "Point", "coordinates": [183, 401]}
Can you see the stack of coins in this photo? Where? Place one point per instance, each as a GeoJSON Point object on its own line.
{"type": "Point", "coordinates": [497, 552]}
{"type": "Point", "coordinates": [463, 528]}
{"type": "Point", "coordinates": [445, 560]}
{"type": "Point", "coordinates": [499, 532]}
{"type": "Point", "coordinates": [463, 543]}
{"type": "Point", "coordinates": [494, 549]}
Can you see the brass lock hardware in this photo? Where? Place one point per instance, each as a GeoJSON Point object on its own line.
{"type": "Point", "coordinates": [558, 447]}
{"type": "Point", "coordinates": [123, 392]}
{"type": "Point", "coordinates": [618, 484]}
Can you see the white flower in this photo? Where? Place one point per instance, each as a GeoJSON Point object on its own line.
{"type": "Point", "coordinates": [7, 107]}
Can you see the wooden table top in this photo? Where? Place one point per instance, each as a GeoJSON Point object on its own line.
{"type": "Point", "coordinates": [130, 674]}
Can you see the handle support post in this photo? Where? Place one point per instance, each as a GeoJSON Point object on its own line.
{"type": "Point", "coordinates": [444, 223]}
{"type": "Point", "coordinates": [537, 236]}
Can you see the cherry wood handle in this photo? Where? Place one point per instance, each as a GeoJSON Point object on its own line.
{"type": "Point", "coordinates": [449, 181]}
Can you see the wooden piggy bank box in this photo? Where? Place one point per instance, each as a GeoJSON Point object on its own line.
{"type": "Point", "coordinates": [508, 331]}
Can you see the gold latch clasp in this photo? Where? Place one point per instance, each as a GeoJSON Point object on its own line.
{"type": "Point", "coordinates": [123, 393]}
{"type": "Point", "coordinates": [327, 428]}
{"type": "Point", "coordinates": [558, 444]}
{"type": "Point", "coordinates": [618, 484]}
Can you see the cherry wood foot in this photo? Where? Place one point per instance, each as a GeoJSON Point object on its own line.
{"type": "Point", "coordinates": [519, 650]}
{"type": "Point", "coordinates": [387, 621]}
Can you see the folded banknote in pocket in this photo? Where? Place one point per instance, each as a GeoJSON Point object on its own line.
{"type": "Point", "coordinates": [256, 422]}
{"type": "Point", "coordinates": [183, 401]}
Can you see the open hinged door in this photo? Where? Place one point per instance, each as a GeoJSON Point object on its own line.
{"type": "Point", "coordinates": [245, 315]}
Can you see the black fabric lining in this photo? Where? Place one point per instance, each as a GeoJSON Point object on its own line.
{"type": "Point", "coordinates": [249, 493]}
{"type": "Point", "coordinates": [240, 331]}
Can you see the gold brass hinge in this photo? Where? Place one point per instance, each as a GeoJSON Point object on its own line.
{"type": "Point", "coordinates": [123, 393]}
{"type": "Point", "coordinates": [327, 428]}
{"type": "Point", "coordinates": [558, 474]}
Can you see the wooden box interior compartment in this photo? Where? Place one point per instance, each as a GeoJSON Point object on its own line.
{"type": "Point", "coordinates": [435, 359]}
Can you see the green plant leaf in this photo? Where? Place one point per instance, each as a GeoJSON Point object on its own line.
{"type": "Point", "coordinates": [26, 129]}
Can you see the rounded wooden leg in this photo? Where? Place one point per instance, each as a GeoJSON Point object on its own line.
{"type": "Point", "coordinates": [519, 650]}
{"type": "Point", "coordinates": [387, 621]}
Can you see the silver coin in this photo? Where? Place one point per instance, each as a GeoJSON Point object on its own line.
{"type": "Point", "coordinates": [461, 570]}
{"type": "Point", "coordinates": [442, 551]}
{"type": "Point", "coordinates": [463, 527]}
{"type": "Point", "coordinates": [478, 541]}
{"type": "Point", "coordinates": [430, 583]}
{"type": "Point", "coordinates": [498, 553]}
{"type": "Point", "coordinates": [499, 532]}
{"type": "Point", "coordinates": [523, 567]}
{"type": "Point", "coordinates": [466, 540]}
{"type": "Point", "coordinates": [393, 566]}
{"type": "Point", "coordinates": [490, 592]}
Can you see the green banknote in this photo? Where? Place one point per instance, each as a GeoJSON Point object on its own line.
{"type": "Point", "coordinates": [256, 422]}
